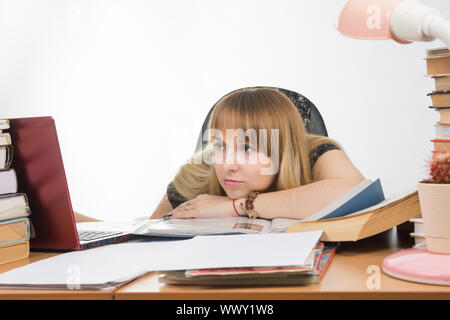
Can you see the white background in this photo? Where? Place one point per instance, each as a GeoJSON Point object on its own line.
{"type": "Point", "coordinates": [129, 84]}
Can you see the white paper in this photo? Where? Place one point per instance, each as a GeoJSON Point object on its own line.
{"type": "Point", "coordinates": [118, 263]}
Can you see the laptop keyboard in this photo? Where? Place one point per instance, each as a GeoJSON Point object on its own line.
{"type": "Point", "coordinates": [85, 235]}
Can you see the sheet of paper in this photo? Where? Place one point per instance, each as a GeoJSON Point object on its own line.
{"type": "Point", "coordinates": [122, 262]}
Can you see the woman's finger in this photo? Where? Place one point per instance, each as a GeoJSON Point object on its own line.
{"type": "Point", "coordinates": [184, 210]}
{"type": "Point", "coordinates": [183, 214]}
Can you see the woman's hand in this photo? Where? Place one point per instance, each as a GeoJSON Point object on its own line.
{"type": "Point", "coordinates": [204, 206]}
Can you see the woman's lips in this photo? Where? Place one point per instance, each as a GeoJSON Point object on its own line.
{"type": "Point", "coordinates": [232, 183]}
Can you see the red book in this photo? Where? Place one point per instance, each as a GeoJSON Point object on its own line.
{"type": "Point", "coordinates": [328, 253]}
{"type": "Point", "coordinates": [441, 144]}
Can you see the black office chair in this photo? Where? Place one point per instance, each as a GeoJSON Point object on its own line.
{"type": "Point", "coordinates": [311, 116]}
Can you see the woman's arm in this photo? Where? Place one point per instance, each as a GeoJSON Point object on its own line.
{"type": "Point", "coordinates": [333, 175]}
{"type": "Point", "coordinates": [82, 218]}
{"type": "Point", "coordinates": [164, 207]}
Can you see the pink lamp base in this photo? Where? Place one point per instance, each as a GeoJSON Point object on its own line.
{"type": "Point", "coordinates": [418, 265]}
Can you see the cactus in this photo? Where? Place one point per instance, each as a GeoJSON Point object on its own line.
{"type": "Point", "coordinates": [439, 169]}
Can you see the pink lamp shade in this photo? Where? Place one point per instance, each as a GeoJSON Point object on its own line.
{"type": "Point", "coordinates": [418, 265]}
{"type": "Point", "coordinates": [367, 19]}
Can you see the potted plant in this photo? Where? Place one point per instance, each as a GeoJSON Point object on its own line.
{"type": "Point", "coordinates": [434, 198]}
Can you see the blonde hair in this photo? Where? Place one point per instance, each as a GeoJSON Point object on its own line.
{"type": "Point", "coordinates": [256, 108]}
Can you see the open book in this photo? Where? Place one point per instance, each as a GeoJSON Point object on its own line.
{"type": "Point", "coordinates": [395, 210]}
{"type": "Point", "coordinates": [366, 196]}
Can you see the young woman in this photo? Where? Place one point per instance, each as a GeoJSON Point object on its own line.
{"type": "Point", "coordinates": [275, 170]}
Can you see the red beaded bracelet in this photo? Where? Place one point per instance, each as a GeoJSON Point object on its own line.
{"type": "Point", "coordinates": [235, 209]}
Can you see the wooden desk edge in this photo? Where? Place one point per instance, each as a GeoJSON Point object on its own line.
{"type": "Point", "coordinates": [39, 294]}
{"type": "Point", "coordinates": [355, 295]}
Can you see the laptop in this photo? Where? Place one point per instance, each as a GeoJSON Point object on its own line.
{"type": "Point", "coordinates": [40, 172]}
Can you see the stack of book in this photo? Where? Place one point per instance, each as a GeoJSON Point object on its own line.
{"type": "Point", "coordinates": [438, 68]}
{"type": "Point", "coordinates": [311, 272]}
{"type": "Point", "coordinates": [419, 232]}
{"type": "Point", "coordinates": [15, 227]}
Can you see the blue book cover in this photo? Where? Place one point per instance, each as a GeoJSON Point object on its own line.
{"type": "Point", "coordinates": [369, 196]}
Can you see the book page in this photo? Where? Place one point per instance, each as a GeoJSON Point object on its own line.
{"type": "Point", "coordinates": [395, 197]}
{"type": "Point", "coordinates": [193, 227]}
{"type": "Point", "coordinates": [282, 224]}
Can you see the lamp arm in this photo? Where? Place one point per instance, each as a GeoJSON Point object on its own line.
{"type": "Point", "coordinates": [412, 21]}
{"type": "Point", "coordinates": [440, 29]}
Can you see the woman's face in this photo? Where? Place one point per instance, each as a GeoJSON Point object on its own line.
{"type": "Point", "coordinates": [240, 168]}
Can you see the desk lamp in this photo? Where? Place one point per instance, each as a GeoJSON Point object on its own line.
{"type": "Point", "coordinates": [403, 21]}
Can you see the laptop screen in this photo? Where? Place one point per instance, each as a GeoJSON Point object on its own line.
{"type": "Point", "coordinates": [40, 172]}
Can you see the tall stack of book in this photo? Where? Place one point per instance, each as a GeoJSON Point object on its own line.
{"type": "Point", "coordinates": [438, 68]}
{"type": "Point", "coordinates": [419, 232]}
{"type": "Point", "coordinates": [15, 227]}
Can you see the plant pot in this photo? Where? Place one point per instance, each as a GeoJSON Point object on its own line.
{"type": "Point", "coordinates": [435, 206]}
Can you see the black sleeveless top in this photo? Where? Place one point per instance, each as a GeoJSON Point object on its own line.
{"type": "Point", "coordinates": [176, 199]}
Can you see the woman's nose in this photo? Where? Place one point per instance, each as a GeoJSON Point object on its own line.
{"type": "Point", "coordinates": [234, 157]}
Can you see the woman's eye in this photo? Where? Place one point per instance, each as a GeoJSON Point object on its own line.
{"type": "Point", "coordinates": [218, 145]}
{"type": "Point", "coordinates": [245, 148]}
{"type": "Point", "coordinates": [248, 148]}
